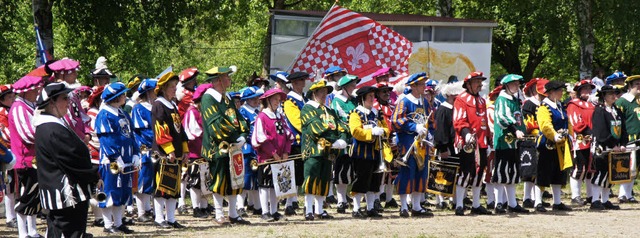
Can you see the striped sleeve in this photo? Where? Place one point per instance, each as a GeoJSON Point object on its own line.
{"type": "Point", "coordinates": [503, 114]}
{"type": "Point", "coordinates": [23, 123]}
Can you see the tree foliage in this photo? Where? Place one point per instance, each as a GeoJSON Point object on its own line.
{"type": "Point", "coordinates": [533, 38]}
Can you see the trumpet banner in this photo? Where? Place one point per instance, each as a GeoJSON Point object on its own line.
{"type": "Point", "coordinates": [236, 167]}
{"type": "Point", "coordinates": [284, 179]}
{"type": "Point", "coordinates": [619, 167]}
{"type": "Point", "coordinates": [442, 177]}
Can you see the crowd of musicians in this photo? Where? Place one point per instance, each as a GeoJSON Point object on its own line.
{"type": "Point", "coordinates": [115, 148]}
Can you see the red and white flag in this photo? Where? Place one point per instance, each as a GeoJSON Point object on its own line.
{"type": "Point", "coordinates": [347, 39]}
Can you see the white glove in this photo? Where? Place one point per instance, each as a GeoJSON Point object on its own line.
{"type": "Point", "coordinates": [241, 140]}
{"type": "Point", "coordinates": [339, 144]}
{"type": "Point", "coordinates": [421, 130]}
{"type": "Point", "coordinates": [377, 131]}
{"type": "Point", "coordinates": [120, 163]}
{"type": "Point", "coordinates": [136, 161]}
{"type": "Point", "coordinates": [519, 134]}
{"type": "Point", "coordinates": [10, 165]}
{"type": "Point", "coordinates": [469, 138]}
{"type": "Point", "coordinates": [558, 138]}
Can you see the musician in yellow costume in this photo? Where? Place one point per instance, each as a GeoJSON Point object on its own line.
{"type": "Point", "coordinates": [553, 146]}
{"type": "Point", "coordinates": [369, 129]}
{"type": "Point", "coordinates": [323, 137]}
{"type": "Point", "coordinates": [412, 178]}
{"type": "Point", "coordinates": [224, 130]}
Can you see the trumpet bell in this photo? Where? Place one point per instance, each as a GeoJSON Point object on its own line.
{"type": "Point", "coordinates": [100, 197]}
{"type": "Point", "coordinates": [468, 148]}
{"type": "Point", "coordinates": [114, 168]}
{"type": "Point", "coordinates": [254, 165]}
{"type": "Point", "coordinates": [33, 163]}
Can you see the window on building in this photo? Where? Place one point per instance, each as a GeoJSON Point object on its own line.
{"type": "Point", "coordinates": [426, 33]}
{"type": "Point", "coordinates": [477, 34]}
{"type": "Point", "coordinates": [412, 33]}
{"type": "Point", "coordinates": [291, 27]}
{"type": "Point", "coordinates": [447, 34]}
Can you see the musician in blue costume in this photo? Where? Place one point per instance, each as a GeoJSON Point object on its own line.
{"type": "Point", "coordinates": [411, 179]}
{"type": "Point", "coordinates": [291, 108]}
{"type": "Point", "coordinates": [117, 145]}
{"type": "Point", "coordinates": [249, 110]}
{"type": "Point", "coordinates": [554, 160]}
{"type": "Point", "coordinates": [141, 117]}
{"type": "Point", "coordinates": [170, 142]}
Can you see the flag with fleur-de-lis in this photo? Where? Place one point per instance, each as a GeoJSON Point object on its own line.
{"type": "Point", "coordinates": [356, 43]}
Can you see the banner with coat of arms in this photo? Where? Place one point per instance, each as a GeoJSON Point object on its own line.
{"type": "Point", "coordinates": [284, 179]}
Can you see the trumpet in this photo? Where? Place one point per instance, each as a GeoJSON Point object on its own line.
{"type": "Point", "coordinates": [382, 166]}
{"type": "Point", "coordinates": [224, 147]}
{"type": "Point", "coordinates": [419, 141]}
{"type": "Point", "coordinates": [99, 196]}
{"type": "Point", "coordinates": [323, 144]}
{"type": "Point", "coordinates": [115, 169]}
{"type": "Point", "coordinates": [255, 165]}
{"type": "Point", "coordinates": [583, 138]}
{"type": "Point", "coordinates": [509, 138]}
{"type": "Point", "coordinates": [33, 163]}
{"type": "Point", "coordinates": [199, 161]}
{"type": "Point", "coordinates": [599, 150]}
{"type": "Point", "coordinates": [163, 159]}
{"type": "Point", "coordinates": [468, 147]}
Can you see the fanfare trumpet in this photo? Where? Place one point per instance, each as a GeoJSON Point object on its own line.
{"type": "Point", "coordinates": [509, 138]}
{"type": "Point", "coordinates": [115, 169]}
{"type": "Point", "coordinates": [255, 165]}
{"type": "Point", "coordinates": [97, 194]}
{"type": "Point", "coordinates": [599, 151]}
{"type": "Point", "coordinates": [420, 153]}
{"type": "Point", "coordinates": [185, 166]}
{"type": "Point", "coordinates": [583, 138]}
{"type": "Point", "coordinates": [163, 159]}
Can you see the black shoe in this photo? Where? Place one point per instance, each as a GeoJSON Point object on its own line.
{"type": "Point", "coordinates": [225, 203]}
{"type": "Point", "coordinates": [546, 194]}
{"type": "Point", "coordinates": [296, 205]}
{"type": "Point", "coordinates": [257, 212]}
{"type": "Point", "coordinates": [383, 196]}
{"type": "Point", "coordinates": [331, 199]}
{"type": "Point", "coordinates": [164, 224]}
{"type": "Point", "coordinates": [578, 201]}
{"type": "Point", "coordinates": [210, 209]}
{"type": "Point", "coordinates": [623, 199]}
{"type": "Point", "coordinates": [596, 205]}
{"type": "Point", "coordinates": [528, 203]}
{"type": "Point", "coordinates": [632, 200]}
{"type": "Point", "coordinates": [500, 209]}
{"type": "Point", "coordinates": [144, 218]}
{"type": "Point", "coordinates": [14, 223]}
{"type": "Point", "coordinates": [276, 216]}
{"type": "Point", "coordinates": [242, 212]}
{"type": "Point", "coordinates": [342, 208]}
{"type": "Point", "coordinates": [517, 209]}
{"type": "Point", "coordinates": [391, 204]}
{"type": "Point", "coordinates": [491, 205]}
{"type": "Point", "coordinates": [459, 211]}
{"type": "Point", "coordinates": [124, 229]}
{"type": "Point", "coordinates": [289, 211]}
{"type": "Point", "coordinates": [250, 208]}
{"type": "Point", "coordinates": [546, 204]}
{"type": "Point", "coordinates": [325, 216]}
{"type": "Point", "coordinates": [609, 206]}
{"type": "Point", "coordinates": [358, 214]}
{"type": "Point", "coordinates": [378, 206]}
{"type": "Point", "coordinates": [267, 217]}
{"type": "Point", "coordinates": [283, 202]}
{"type": "Point", "coordinates": [560, 207]}
{"type": "Point", "coordinates": [309, 217]}
{"type": "Point", "coordinates": [421, 213]}
{"type": "Point", "coordinates": [98, 222]}
{"type": "Point", "coordinates": [441, 206]}
{"type": "Point", "coordinates": [239, 220]}
{"type": "Point", "coordinates": [480, 210]}
{"type": "Point", "coordinates": [182, 210]}
{"type": "Point", "coordinates": [373, 214]}
{"type": "Point", "coordinates": [426, 204]}
{"type": "Point", "coordinates": [127, 221]}
{"type": "Point", "coordinates": [404, 213]}
{"type": "Point", "coordinates": [467, 201]}
{"type": "Point", "coordinates": [588, 200]}
{"type": "Point", "coordinates": [540, 208]}
{"type": "Point", "coordinates": [176, 225]}
{"type": "Point", "coordinates": [111, 230]}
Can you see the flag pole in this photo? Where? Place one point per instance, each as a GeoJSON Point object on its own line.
{"type": "Point", "coordinates": [311, 37]}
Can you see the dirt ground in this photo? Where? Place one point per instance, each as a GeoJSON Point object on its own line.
{"type": "Point", "coordinates": [579, 223]}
